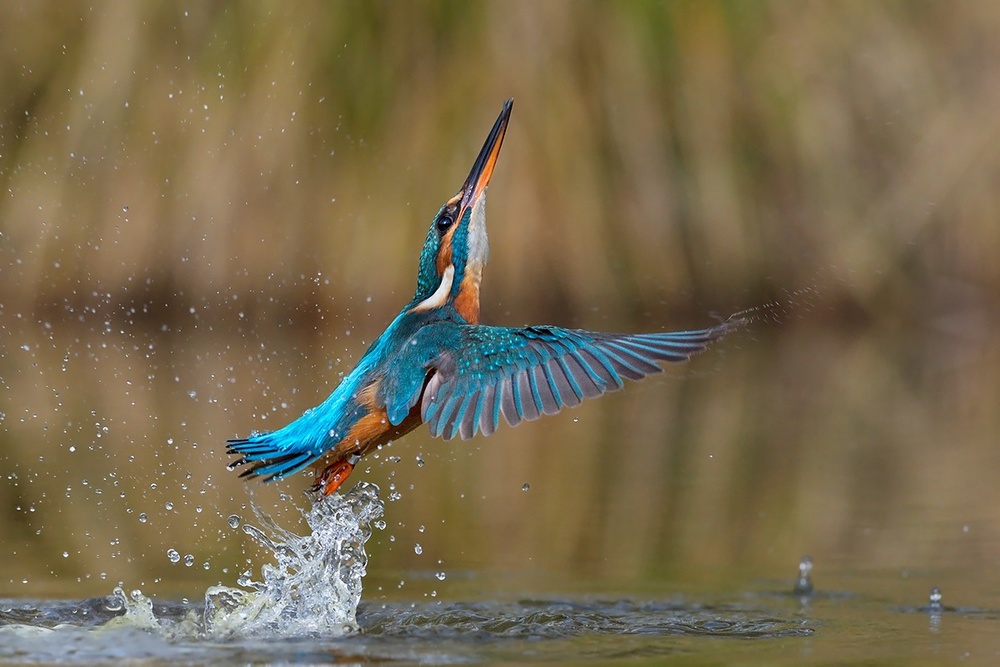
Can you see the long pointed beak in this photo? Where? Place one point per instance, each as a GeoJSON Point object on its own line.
{"type": "Point", "coordinates": [482, 169]}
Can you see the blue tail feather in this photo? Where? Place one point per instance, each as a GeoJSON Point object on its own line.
{"type": "Point", "coordinates": [269, 460]}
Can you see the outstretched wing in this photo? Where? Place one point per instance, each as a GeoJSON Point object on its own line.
{"type": "Point", "coordinates": [525, 373]}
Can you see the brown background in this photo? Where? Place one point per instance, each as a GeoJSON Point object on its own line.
{"type": "Point", "coordinates": [208, 211]}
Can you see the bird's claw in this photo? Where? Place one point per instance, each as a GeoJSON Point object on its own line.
{"type": "Point", "coordinates": [334, 475]}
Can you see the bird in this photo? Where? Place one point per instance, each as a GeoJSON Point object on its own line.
{"type": "Point", "coordinates": [436, 364]}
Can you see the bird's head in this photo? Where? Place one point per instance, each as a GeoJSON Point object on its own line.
{"type": "Point", "coordinates": [456, 249]}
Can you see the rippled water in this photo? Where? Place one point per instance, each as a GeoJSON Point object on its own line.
{"type": "Point", "coordinates": [306, 608]}
{"type": "Point", "coordinates": [89, 631]}
{"type": "Point", "coordinates": [771, 627]}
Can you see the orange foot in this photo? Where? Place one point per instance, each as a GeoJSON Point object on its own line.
{"type": "Point", "coordinates": [334, 475]}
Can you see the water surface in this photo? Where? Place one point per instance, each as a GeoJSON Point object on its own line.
{"type": "Point", "coordinates": [306, 608]}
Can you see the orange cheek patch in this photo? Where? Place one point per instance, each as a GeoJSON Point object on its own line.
{"type": "Point", "coordinates": [444, 253]}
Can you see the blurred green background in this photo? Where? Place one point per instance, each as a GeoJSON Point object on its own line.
{"type": "Point", "coordinates": [209, 209]}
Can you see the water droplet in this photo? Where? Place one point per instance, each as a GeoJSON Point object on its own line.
{"type": "Point", "coordinates": [380, 524]}
{"type": "Point", "coordinates": [421, 528]}
{"type": "Point", "coordinates": [173, 555]}
{"type": "Point", "coordinates": [440, 576]}
{"type": "Point", "coordinates": [935, 599]}
{"type": "Point", "coordinates": [234, 520]}
{"type": "Point", "coordinates": [169, 505]}
{"type": "Point", "coordinates": [189, 560]}
{"type": "Point", "coordinates": [526, 487]}
{"type": "Point", "coordinates": [420, 461]}
{"type": "Point", "coordinates": [143, 518]}
{"type": "Point", "coordinates": [803, 584]}
{"type": "Point", "coordinates": [65, 554]}
{"type": "Point", "coordinates": [417, 549]}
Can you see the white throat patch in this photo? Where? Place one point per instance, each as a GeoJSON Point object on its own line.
{"type": "Point", "coordinates": [440, 296]}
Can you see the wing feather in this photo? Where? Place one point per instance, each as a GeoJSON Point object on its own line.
{"type": "Point", "coordinates": [491, 413]}
{"type": "Point", "coordinates": [510, 401]}
{"type": "Point", "coordinates": [569, 386]}
{"type": "Point", "coordinates": [453, 417]}
{"type": "Point", "coordinates": [589, 381]}
{"type": "Point", "coordinates": [600, 365]}
{"type": "Point", "coordinates": [473, 414]}
{"type": "Point", "coordinates": [630, 364]}
{"type": "Point", "coordinates": [522, 374]}
{"type": "Point", "coordinates": [526, 388]}
{"type": "Point", "coordinates": [547, 390]}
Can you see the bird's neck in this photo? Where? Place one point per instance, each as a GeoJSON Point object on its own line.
{"type": "Point", "coordinates": [466, 302]}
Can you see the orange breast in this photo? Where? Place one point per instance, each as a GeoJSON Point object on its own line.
{"type": "Point", "coordinates": [372, 430]}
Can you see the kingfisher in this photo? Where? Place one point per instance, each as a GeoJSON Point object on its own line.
{"type": "Point", "coordinates": [436, 364]}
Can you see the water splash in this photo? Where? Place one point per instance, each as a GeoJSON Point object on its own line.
{"type": "Point", "coordinates": [314, 588]}
{"type": "Point", "coordinates": [137, 607]}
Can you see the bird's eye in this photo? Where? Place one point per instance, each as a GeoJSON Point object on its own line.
{"type": "Point", "coordinates": [444, 223]}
